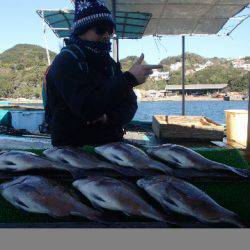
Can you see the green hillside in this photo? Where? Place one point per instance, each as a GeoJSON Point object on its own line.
{"type": "Point", "coordinates": [220, 72]}
{"type": "Point", "coordinates": [22, 68]}
{"type": "Point", "coordinates": [21, 71]}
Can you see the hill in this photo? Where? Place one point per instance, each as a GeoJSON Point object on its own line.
{"type": "Point", "coordinates": [21, 71]}
{"type": "Point", "coordinates": [200, 70]}
{"type": "Point", "coordinates": [22, 68]}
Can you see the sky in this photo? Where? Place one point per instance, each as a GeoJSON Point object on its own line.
{"type": "Point", "coordinates": [21, 24]}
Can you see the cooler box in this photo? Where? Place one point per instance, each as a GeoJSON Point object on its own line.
{"type": "Point", "coordinates": [27, 119]}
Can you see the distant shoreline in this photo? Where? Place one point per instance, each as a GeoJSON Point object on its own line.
{"type": "Point", "coordinates": [144, 99]}
{"type": "Point", "coordinates": [188, 98]}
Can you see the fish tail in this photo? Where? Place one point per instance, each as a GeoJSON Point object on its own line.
{"type": "Point", "coordinates": [77, 173]}
{"type": "Point", "coordinates": [97, 217]}
{"type": "Point", "coordinates": [236, 220]}
{"type": "Point", "coordinates": [129, 172]}
{"type": "Point", "coordinates": [241, 172]}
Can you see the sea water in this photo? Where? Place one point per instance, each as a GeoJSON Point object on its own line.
{"type": "Point", "coordinates": [214, 110]}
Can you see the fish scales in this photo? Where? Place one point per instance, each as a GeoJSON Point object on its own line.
{"type": "Point", "coordinates": [115, 195]}
{"type": "Point", "coordinates": [37, 194]}
{"type": "Point", "coordinates": [16, 161]}
{"type": "Point", "coordinates": [185, 158]}
{"type": "Point", "coordinates": [80, 160]}
{"type": "Point", "coordinates": [184, 198]}
{"type": "Point", "coordinates": [130, 156]}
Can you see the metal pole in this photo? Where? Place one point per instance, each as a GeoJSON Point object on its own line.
{"type": "Point", "coordinates": [115, 39]}
{"type": "Point", "coordinates": [183, 75]}
{"type": "Point", "coordinates": [248, 125]}
{"type": "Point", "coordinates": [45, 38]}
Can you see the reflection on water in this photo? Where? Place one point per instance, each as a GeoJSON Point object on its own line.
{"type": "Point", "coordinates": [212, 109]}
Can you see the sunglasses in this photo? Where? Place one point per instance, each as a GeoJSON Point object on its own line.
{"type": "Point", "coordinates": [102, 30]}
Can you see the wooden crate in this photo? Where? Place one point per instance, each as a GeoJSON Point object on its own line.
{"type": "Point", "coordinates": [189, 128]}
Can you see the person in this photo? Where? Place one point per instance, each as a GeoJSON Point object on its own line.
{"type": "Point", "coordinates": [89, 98]}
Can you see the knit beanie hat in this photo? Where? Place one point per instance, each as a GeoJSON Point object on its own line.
{"type": "Point", "coordinates": [89, 13]}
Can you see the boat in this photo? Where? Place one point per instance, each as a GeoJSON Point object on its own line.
{"type": "Point", "coordinates": [226, 98]}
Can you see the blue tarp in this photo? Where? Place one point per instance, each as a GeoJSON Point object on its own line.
{"type": "Point", "coordinates": [129, 25]}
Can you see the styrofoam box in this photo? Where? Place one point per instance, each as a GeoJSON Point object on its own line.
{"type": "Point", "coordinates": [27, 119]}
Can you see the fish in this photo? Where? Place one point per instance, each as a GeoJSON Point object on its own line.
{"type": "Point", "coordinates": [128, 155]}
{"type": "Point", "coordinates": [81, 160]}
{"type": "Point", "coordinates": [185, 158]}
{"type": "Point", "coordinates": [36, 194]}
{"type": "Point", "coordinates": [112, 194]}
{"type": "Point", "coordinates": [17, 161]}
{"type": "Point", "coordinates": [184, 198]}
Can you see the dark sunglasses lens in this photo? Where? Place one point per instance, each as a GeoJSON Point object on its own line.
{"type": "Point", "coordinates": [101, 30]}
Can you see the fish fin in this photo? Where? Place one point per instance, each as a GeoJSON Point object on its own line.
{"type": "Point", "coordinates": [20, 203]}
{"type": "Point", "coordinates": [77, 213]}
{"type": "Point", "coordinates": [99, 198]}
{"type": "Point", "coordinates": [236, 220]}
{"type": "Point", "coordinates": [192, 173]}
{"type": "Point", "coordinates": [126, 213]}
{"type": "Point", "coordinates": [178, 219]}
{"type": "Point", "coordinates": [169, 202]}
{"type": "Point", "coordinates": [98, 217]}
{"type": "Point", "coordinates": [172, 160]}
{"type": "Point", "coordinates": [161, 167]}
{"type": "Point", "coordinates": [92, 216]}
{"type": "Point", "coordinates": [97, 206]}
{"type": "Point", "coordinates": [239, 171]}
{"type": "Point", "coordinates": [175, 161]}
{"type": "Point", "coordinates": [242, 172]}
{"type": "Point", "coordinates": [77, 173]}
{"type": "Point", "coordinates": [128, 171]}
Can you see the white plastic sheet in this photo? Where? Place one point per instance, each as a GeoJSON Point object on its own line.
{"type": "Point", "coordinates": [175, 17]}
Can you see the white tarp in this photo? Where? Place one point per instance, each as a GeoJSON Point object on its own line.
{"type": "Point", "coordinates": [174, 17]}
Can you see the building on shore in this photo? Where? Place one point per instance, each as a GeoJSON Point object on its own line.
{"type": "Point", "coordinates": [241, 63]}
{"type": "Point", "coordinates": [157, 75]}
{"type": "Point", "coordinates": [196, 89]}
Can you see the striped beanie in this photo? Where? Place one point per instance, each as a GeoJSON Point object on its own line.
{"type": "Point", "coordinates": [89, 13]}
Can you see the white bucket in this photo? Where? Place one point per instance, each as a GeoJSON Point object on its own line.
{"type": "Point", "coordinates": [27, 119]}
{"type": "Point", "coordinates": [237, 121]}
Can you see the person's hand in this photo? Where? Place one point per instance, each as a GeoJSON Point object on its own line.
{"type": "Point", "coordinates": [101, 120]}
{"type": "Point", "coordinates": [141, 72]}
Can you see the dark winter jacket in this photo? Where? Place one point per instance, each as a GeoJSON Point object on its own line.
{"type": "Point", "coordinates": [76, 97]}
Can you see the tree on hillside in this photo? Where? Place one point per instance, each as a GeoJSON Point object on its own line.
{"type": "Point", "coordinates": [22, 70]}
